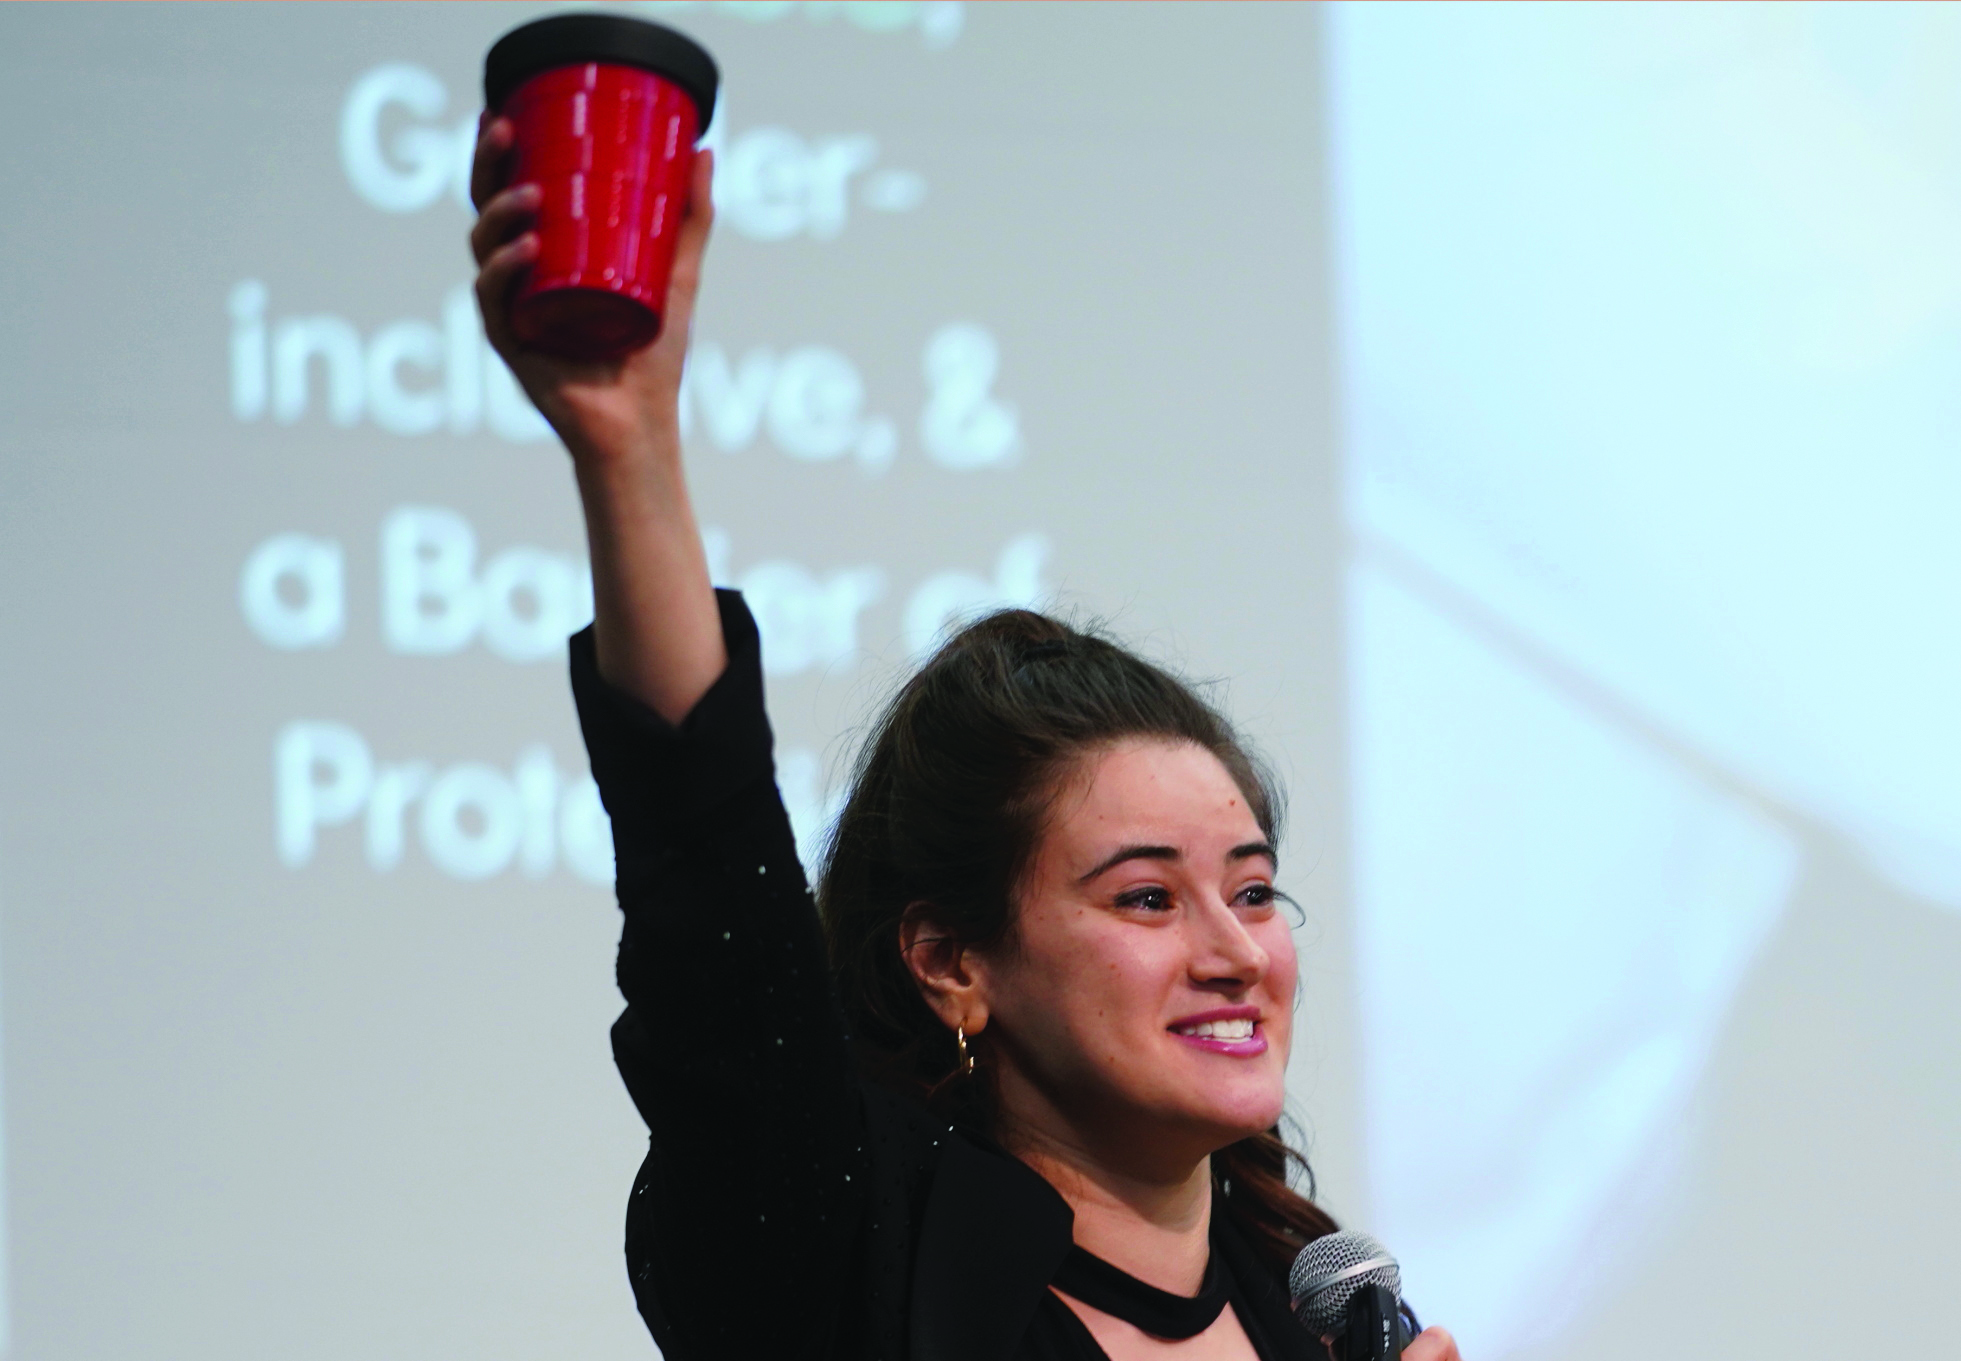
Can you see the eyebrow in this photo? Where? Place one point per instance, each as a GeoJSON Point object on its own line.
{"type": "Point", "coordinates": [1250, 850]}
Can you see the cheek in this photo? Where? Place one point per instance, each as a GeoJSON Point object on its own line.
{"type": "Point", "coordinates": [1083, 986]}
{"type": "Point", "coordinates": [1109, 981]}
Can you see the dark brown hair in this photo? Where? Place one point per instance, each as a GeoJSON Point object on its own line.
{"type": "Point", "coordinates": [952, 790]}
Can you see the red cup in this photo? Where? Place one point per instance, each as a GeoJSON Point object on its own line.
{"type": "Point", "coordinates": [606, 111]}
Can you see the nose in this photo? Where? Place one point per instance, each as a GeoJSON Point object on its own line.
{"type": "Point", "coordinates": [1225, 957]}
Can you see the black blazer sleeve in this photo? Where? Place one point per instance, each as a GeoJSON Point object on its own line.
{"type": "Point", "coordinates": [742, 1226]}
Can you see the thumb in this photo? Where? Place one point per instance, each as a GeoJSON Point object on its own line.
{"type": "Point", "coordinates": [691, 241]}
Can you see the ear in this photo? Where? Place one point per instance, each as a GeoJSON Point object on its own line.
{"type": "Point", "coordinates": [948, 973]}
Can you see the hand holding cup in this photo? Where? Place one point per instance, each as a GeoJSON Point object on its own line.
{"type": "Point", "coordinates": [597, 405]}
{"type": "Point", "coordinates": [594, 213]}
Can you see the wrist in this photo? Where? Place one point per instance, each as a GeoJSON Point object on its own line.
{"type": "Point", "coordinates": [623, 483]}
{"type": "Point", "coordinates": [612, 452]}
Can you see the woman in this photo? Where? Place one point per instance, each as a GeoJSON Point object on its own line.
{"type": "Point", "coordinates": [1014, 1099]}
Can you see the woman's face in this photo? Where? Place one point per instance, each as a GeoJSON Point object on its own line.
{"type": "Point", "coordinates": [1148, 983]}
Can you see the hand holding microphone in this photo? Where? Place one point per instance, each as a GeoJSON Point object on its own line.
{"type": "Point", "coordinates": [1347, 1291]}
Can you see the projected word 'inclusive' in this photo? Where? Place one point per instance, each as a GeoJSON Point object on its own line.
{"type": "Point", "coordinates": [409, 377]}
{"type": "Point", "coordinates": [418, 377]}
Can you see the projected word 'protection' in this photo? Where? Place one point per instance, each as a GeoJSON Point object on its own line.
{"type": "Point", "coordinates": [473, 819]}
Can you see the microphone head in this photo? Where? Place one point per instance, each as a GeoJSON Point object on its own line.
{"type": "Point", "coordinates": [1329, 1271]}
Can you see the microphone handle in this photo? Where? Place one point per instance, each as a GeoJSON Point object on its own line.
{"type": "Point", "coordinates": [1375, 1329]}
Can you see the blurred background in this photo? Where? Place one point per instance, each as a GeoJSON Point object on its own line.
{"type": "Point", "coordinates": [1541, 422]}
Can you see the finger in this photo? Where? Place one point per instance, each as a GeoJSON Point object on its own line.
{"type": "Point", "coordinates": [488, 166]}
{"type": "Point", "coordinates": [1432, 1344]}
{"type": "Point", "coordinates": [506, 215]}
{"type": "Point", "coordinates": [701, 188]}
{"type": "Point", "coordinates": [496, 281]}
{"type": "Point", "coordinates": [691, 238]}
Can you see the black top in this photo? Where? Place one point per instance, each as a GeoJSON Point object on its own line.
{"type": "Point", "coordinates": [788, 1207]}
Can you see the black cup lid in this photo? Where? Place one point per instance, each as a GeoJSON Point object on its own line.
{"type": "Point", "coordinates": [567, 39]}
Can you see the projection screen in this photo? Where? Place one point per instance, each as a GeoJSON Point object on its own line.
{"type": "Point", "coordinates": [1537, 424]}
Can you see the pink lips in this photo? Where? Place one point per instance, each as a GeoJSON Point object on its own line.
{"type": "Point", "coordinates": [1246, 1048]}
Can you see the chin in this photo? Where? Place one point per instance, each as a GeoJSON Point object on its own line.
{"type": "Point", "coordinates": [1242, 1114]}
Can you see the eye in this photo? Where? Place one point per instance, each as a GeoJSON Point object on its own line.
{"type": "Point", "coordinates": [1150, 899]}
{"type": "Point", "coordinates": [1256, 895]}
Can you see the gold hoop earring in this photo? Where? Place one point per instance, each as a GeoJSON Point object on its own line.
{"type": "Point", "coordinates": [966, 1067]}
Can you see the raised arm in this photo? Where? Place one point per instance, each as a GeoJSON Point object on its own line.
{"type": "Point", "coordinates": [732, 1044]}
{"type": "Point", "coordinates": [655, 624]}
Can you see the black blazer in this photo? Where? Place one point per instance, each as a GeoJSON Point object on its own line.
{"type": "Point", "coordinates": [787, 1207]}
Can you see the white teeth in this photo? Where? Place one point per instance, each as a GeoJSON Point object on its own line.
{"type": "Point", "coordinates": [1219, 1030]}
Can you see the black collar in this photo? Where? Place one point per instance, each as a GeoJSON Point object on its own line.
{"type": "Point", "coordinates": [993, 1236]}
{"type": "Point", "coordinates": [1100, 1285]}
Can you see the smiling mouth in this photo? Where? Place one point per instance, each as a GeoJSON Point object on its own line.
{"type": "Point", "coordinates": [1240, 1028]}
{"type": "Point", "coordinates": [1239, 1037]}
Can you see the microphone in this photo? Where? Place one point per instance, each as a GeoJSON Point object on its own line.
{"type": "Point", "coordinates": [1346, 1287]}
